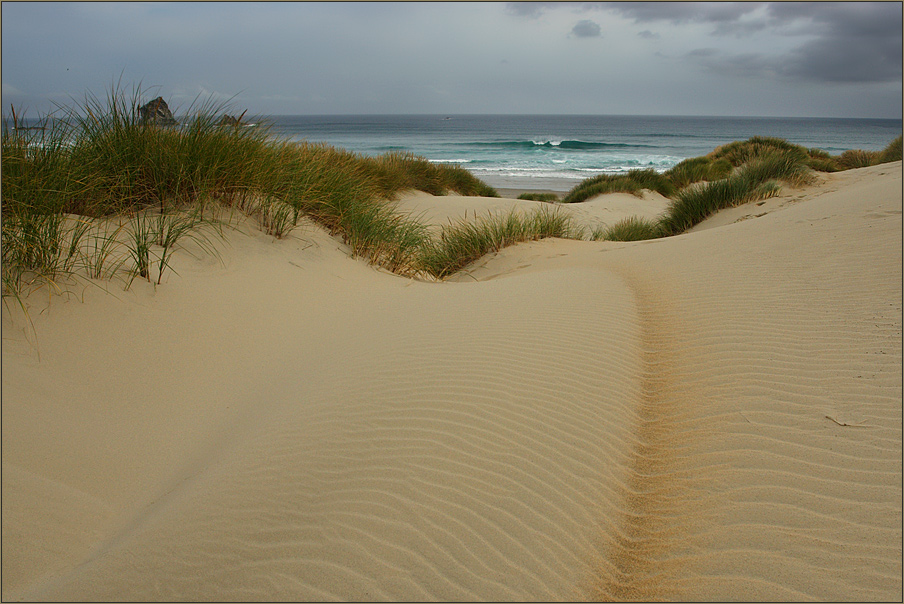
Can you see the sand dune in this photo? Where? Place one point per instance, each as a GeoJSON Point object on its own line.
{"type": "Point", "coordinates": [711, 416]}
{"type": "Point", "coordinates": [602, 209]}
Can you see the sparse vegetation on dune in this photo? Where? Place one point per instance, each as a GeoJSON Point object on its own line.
{"type": "Point", "coordinates": [741, 152]}
{"type": "Point", "coordinates": [466, 241]}
{"type": "Point", "coordinates": [722, 162]}
{"type": "Point", "coordinates": [738, 153]}
{"type": "Point", "coordinates": [633, 228]}
{"type": "Point", "coordinates": [396, 171]}
{"type": "Point", "coordinates": [696, 169]}
{"type": "Point", "coordinates": [634, 181]}
{"type": "Point", "coordinates": [731, 175]}
{"type": "Point", "coordinates": [97, 193]}
{"type": "Point", "coordinates": [546, 197]}
{"type": "Point", "coordinates": [97, 160]}
{"type": "Point", "coordinates": [892, 152]}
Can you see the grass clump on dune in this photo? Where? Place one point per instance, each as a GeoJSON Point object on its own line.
{"type": "Point", "coordinates": [696, 169]}
{"type": "Point", "coordinates": [545, 197]}
{"type": "Point", "coordinates": [858, 158]}
{"type": "Point", "coordinates": [892, 152]}
{"type": "Point", "coordinates": [375, 232]}
{"type": "Point", "coordinates": [99, 161]}
{"type": "Point", "coordinates": [739, 153]}
{"type": "Point", "coordinates": [634, 181]}
{"type": "Point", "coordinates": [757, 179]}
{"type": "Point", "coordinates": [125, 164]}
{"type": "Point", "coordinates": [633, 228]}
{"type": "Point", "coordinates": [731, 175]}
{"type": "Point", "coordinates": [396, 171]}
{"type": "Point", "coordinates": [464, 242]}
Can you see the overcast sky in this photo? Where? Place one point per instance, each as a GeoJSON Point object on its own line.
{"type": "Point", "coordinates": [757, 59]}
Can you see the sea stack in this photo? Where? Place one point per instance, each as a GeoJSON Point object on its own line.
{"type": "Point", "coordinates": [158, 112]}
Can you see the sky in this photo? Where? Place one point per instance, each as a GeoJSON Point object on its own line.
{"type": "Point", "coordinates": [607, 58]}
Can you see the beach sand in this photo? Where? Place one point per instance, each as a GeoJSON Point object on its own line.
{"type": "Point", "coordinates": [711, 416]}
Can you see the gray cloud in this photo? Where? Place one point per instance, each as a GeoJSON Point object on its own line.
{"type": "Point", "coordinates": [847, 42]}
{"type": "Point", "coordinates": [674, 12]}
{"type": "Point", "coordinates": [424, 57]}
{"type": "Point", "coordinates": [741, 65]}
{"type": "Point", "coordinates": [702, 52]}
{"type": "Point", "coordinates": [849, 61]}
{"type": "Point", "coordinates": [859, 42]}
{"type": "Point", "coordinates": [841, 18]}
{"type": "Point", "coordinates": [817, 61]}
{"type": "Point", "coordinates": [527, 9]}
{"type": "Point", "coordinates": [586, 28]}
{"type": "Point", "coordinates": [682, 12]}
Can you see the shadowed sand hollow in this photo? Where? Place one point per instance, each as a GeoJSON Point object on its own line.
{"type": "Point", "coordinates": [711, 416]}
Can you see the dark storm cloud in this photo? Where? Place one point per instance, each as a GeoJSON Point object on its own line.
{"type": "Point", "coordinates": [849, 42]}
{"type": "Point", "coordinates": [852, 43]}
{"type": "Point", "coordinates": [842, 19]}
{"type": "Point", "coordinates": [853, 60]}
{"type": "Point", "coordinates": [586, 28]}
{"type": "Point", "coordinates": [815, 62]}
{"type": "Point", "coordinates": [858, 42]}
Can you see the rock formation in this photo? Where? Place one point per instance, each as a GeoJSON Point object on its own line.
{"type": "Point", "coordinates": [157, 112]}
{"type": "Point", "coordinates": [228, 120]}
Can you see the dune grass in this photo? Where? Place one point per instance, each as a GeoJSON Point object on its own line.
{"type": "Point", "coordinates": [731, 175]}
{"type": "Point", "coordinates": [545, 197]}
{"type": "Point", "coordinates": [98, 161]}
{"type": "Point", "coordinates": [892, 152]}
{"type": "Point", "coordinates": [634, 181]}
{"type": "Point", "coordinates": [397, 171]}
{"type": "Point", "coordinates": [633, 228]}
{"type": "Point", "coordinates": [738, 153]}
{"type": "Point", "coordinates": [720, 163]}
{"type": "Point", "coordinates": [757, 179]}
{"type": "Point", "coordinates": [466, 241]}
{"type": "Point", "coordinates": [696, 169]}
{"type": "Point", "coordinates": [857, 158]}
{"type": "Point", "coordinates": [98, 193]}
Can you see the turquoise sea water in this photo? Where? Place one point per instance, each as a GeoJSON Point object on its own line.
{"type": "Point", "coordinates": [557, 152]}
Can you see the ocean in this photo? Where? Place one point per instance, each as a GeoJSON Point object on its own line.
{"type": "Point", "coordinates": [556, 152]}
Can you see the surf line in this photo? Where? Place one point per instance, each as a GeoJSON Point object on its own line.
{"type": "Point", "coordinates": [645, 546]}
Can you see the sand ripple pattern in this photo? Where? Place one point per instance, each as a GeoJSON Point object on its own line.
{"type": "Point", "coordinates": [465, 458]}
{"type": "Point", "coordinates": [715, 416]}
{"type": "Point", "coordinates": [793, 434]}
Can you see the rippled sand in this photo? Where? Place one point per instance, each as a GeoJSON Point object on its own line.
{"type": "Point", "coordinates": [711, 416]}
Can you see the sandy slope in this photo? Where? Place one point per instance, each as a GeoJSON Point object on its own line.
{"type": "Point", "coordinates": [602, 209]}
{"type": "Point", "coordinates": [715, 415]}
